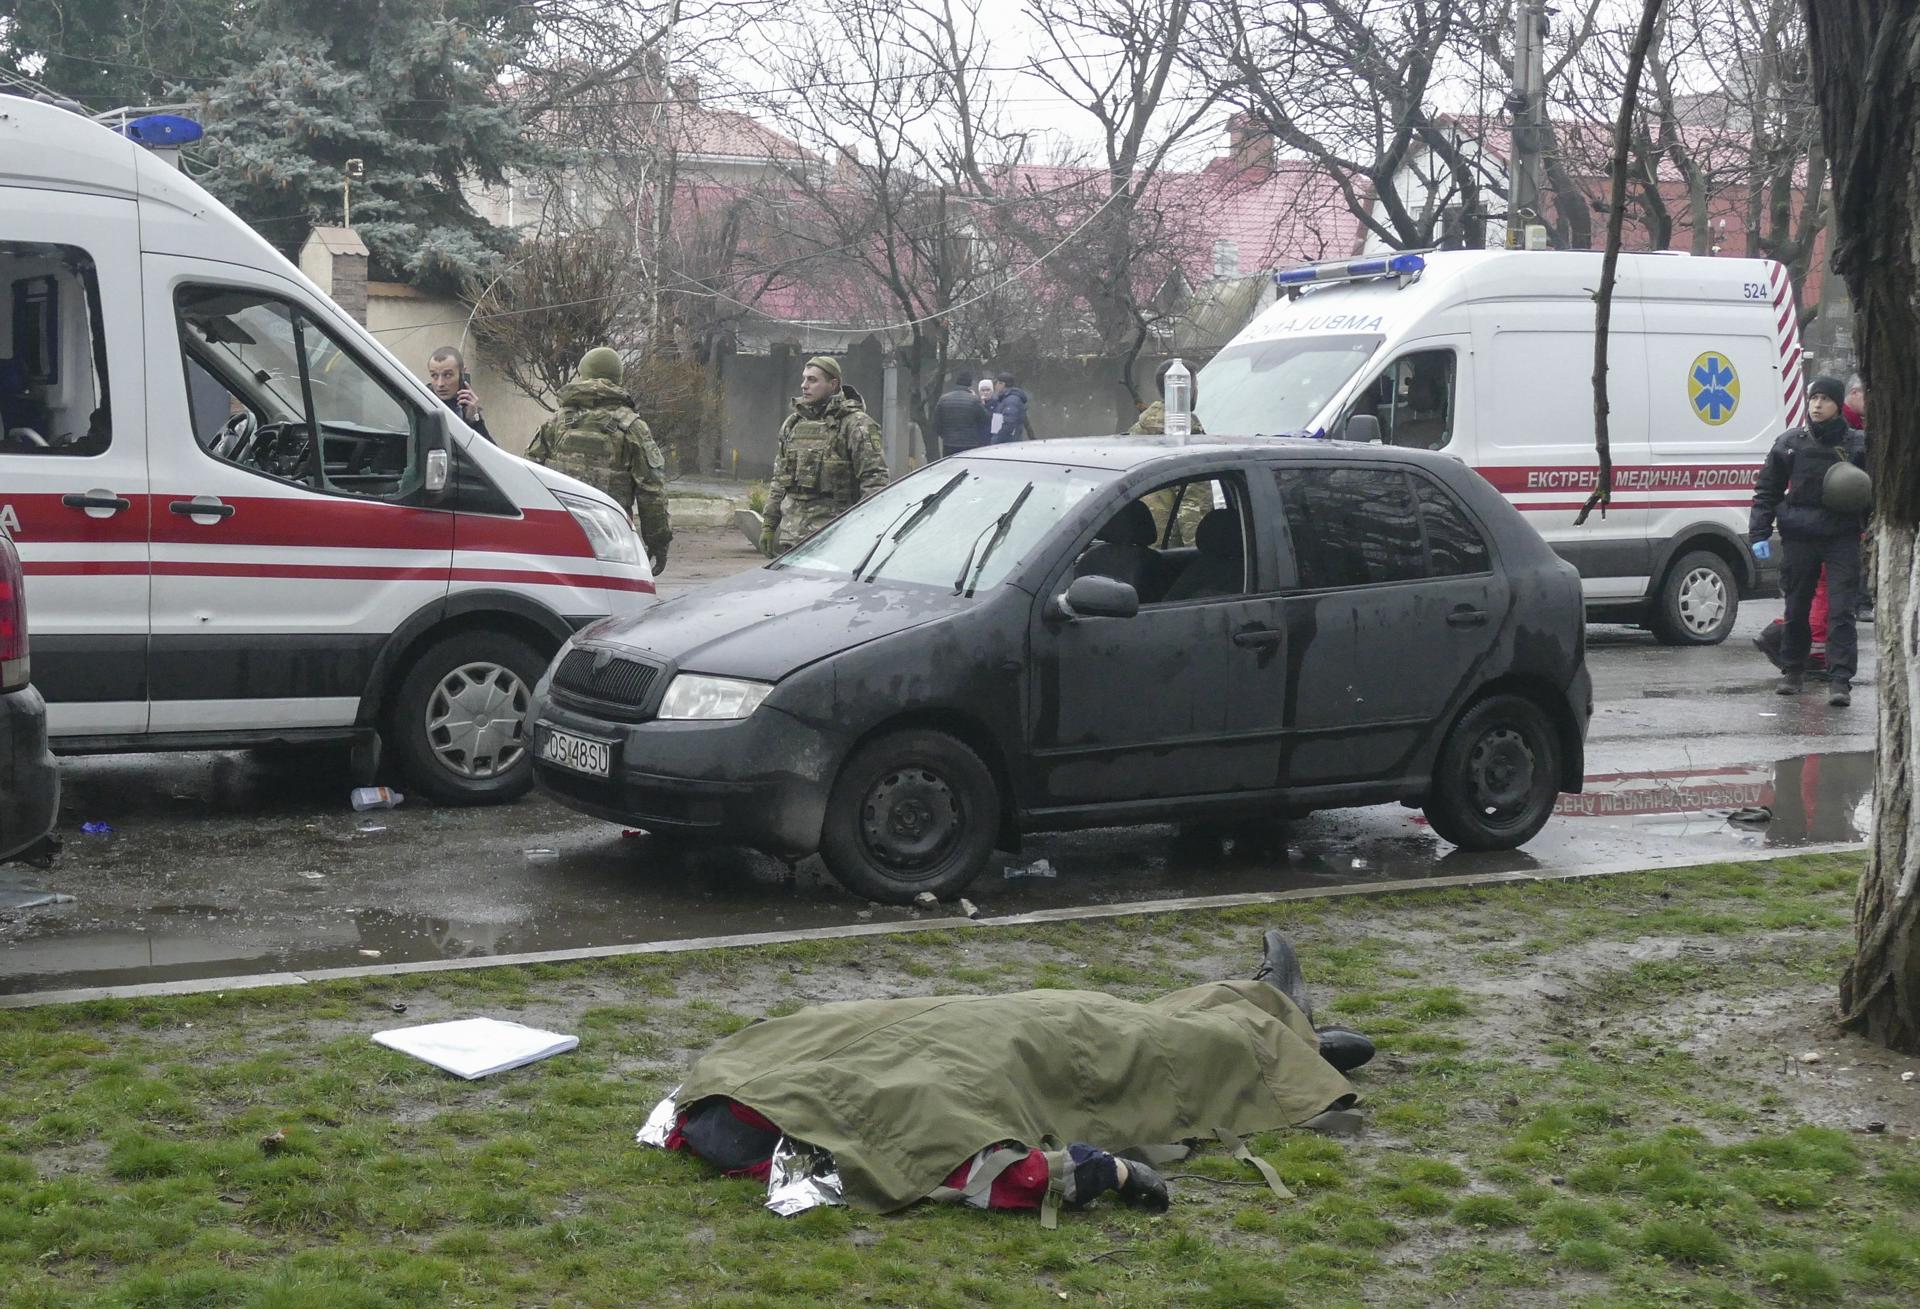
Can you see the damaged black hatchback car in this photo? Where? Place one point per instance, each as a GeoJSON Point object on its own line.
{"type": "Point", "coordinates": [1081, 633]}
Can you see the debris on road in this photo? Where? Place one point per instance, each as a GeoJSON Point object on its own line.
{"type": "Point", "coordinates": [1757, 815]}
{"type": "Point", "coordinates": [476, 1047]}
{"type": "Point", "coordinates": [541, 854]}
{"type": "Point", "coordinates": [376, 797]}
{"type": "Point", "coordinates": [17, 894]}
{"type": "Point", "coordinates": [926, 900]}
{"type": "Point", "coordinates": [97, 829]}
{"type": "Point", "coordinates": [1038, 868]}
{"type": "Point", "coordinates": [969, 908]}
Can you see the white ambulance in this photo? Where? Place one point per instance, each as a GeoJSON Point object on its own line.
{"type": "Point", "coordinates": [1487, 356]}
{"type": "Point", "coordinates": [201, 571]}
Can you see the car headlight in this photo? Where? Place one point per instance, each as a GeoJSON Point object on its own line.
{"type": "Point", "coordinates": [691, 695]}
{"type": "Point", "coordinates": [609, 531]}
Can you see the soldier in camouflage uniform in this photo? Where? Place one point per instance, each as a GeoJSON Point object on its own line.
{"type": "Point", "coordinates": [1194, 506]}
{"type": "Point", "coordinates": [598, 438]}
{"type": "Point", "coordinates": [830, 458]}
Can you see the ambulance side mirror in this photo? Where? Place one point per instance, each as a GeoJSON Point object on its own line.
{"type": "Point", "coordinates": [439, 455]}
{"type": "Point", "coordinates": [1364, 428]}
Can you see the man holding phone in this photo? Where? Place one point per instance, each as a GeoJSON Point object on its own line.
{"type": "Point", "coordinates": [448, 376]}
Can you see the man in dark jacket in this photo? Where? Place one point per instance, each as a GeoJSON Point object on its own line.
{"type": "Point", "coordinates": [959, 419]}
{"type": "Point", "coordinates": [1010, 408]}
{"type": "Point", "coordinates": [1793, 491]}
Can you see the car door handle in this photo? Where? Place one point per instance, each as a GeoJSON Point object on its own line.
{"type": "Point", "coordinates": [1258, 636]}
{"type": "Point", "coordinates": [86, 500]}
{"type": "Point", "coordinates": [194, 508]}
{"type": "Point", "coordinates": [1464, 617]}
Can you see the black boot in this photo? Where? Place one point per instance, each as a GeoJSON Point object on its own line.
{"type": "Point", "coordinates": [1280, 969]}
{"type": "Point", "coordinates": [1144, 1188]}
{"type": "Point", "coordinates": [1344, 1048]}
{"type": "Point", "coordinates": [1790, 683]}
{"type": "Point", "coordinates": [1841, 695]}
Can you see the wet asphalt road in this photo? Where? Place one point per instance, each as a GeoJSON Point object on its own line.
{"type": "Point", "coordinates": [234, 863]}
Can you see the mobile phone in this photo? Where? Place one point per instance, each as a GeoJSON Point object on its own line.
{"type": "Point", "coordinates": [466, 380]}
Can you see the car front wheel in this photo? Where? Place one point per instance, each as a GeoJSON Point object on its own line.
{"type": "Point", "coordinates": [1498, 773]}
{"type": "Point", "coordinates": [912, 811]}
{"type": "Point", "coordinates": [458, 724]}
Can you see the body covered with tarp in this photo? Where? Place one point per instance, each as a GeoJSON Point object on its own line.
{"type": "Point", "coordinates": [902, 1091]}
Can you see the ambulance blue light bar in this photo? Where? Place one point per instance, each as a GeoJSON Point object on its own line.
{"type": "Point", "coordinates": [163, 130]}
{"type": "Point", "coordinates": [1404, 264]}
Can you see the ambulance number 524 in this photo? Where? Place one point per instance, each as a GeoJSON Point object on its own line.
{"type": "Point", "coordinates": [1754, 290]}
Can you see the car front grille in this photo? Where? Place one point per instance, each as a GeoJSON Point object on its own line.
{"type": "Point", "coordinates": [617, 684]}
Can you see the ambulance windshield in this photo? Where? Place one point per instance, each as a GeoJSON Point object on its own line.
{"type": "Point", "coordinates": [1278, 387]}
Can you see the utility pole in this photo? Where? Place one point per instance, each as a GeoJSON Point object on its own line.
{"type": "Point", "coordinates": [1527, 103]}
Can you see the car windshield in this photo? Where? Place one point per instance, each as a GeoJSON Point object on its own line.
{"type": "Point", "coordinates": [923, 528]}
{"type": "Point", "coordinates": [1275, 388]}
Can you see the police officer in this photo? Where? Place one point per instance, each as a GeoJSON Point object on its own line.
{"type": "Point", "coordinates": [1821, 509]}
{"type": "Point", "coordinates": [830, 458]}
{"type": "Point", "coordinates": [598, 438]}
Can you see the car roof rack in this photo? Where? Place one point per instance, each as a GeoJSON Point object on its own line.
{"type": "Point", "coordinates": [1403, 265]}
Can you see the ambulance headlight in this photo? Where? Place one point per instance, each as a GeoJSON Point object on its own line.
{"type": "Point", "coordinates": [608, 530]}
{"type": "Point", "coordinates": [693, 695]}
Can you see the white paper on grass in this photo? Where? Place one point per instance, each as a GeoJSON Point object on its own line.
{"type": "Point", "coordinates": [475, 1047]}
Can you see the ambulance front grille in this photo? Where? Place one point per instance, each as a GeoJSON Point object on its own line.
{"type": "Point", "coordinates": [615, 682]}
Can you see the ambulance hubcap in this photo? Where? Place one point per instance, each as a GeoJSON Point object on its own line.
{"type": "Point", "coordinates": [477, 720]}
{"type": "Point", "coordinates": [1703, 600]}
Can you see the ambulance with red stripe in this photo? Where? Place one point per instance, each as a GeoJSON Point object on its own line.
{"type": "Point", "coordinates": [242, 521]}
{"type": "Point", "coordinates": [1487, 355]}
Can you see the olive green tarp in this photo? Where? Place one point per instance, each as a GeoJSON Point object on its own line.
{"type": "Point", "coordinates": [904, 1091]}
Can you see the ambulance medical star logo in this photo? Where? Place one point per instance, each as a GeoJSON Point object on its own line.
{"type": "Point", "coordinates": [1714, 388]}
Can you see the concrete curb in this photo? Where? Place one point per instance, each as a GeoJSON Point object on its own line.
{"type": "Point", "coordinates": [1078, 913]}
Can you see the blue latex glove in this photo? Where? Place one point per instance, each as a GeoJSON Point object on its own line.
{"type": "Point", "coordinates": [1763, 549]}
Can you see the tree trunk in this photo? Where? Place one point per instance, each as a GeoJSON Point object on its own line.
{"type": "Point", "coordinates": [1866, 67]}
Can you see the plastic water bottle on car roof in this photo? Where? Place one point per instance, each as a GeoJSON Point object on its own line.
{"type": "Point", "coordinates": [1178, 394]}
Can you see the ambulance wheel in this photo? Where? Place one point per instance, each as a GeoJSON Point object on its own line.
{"type": "Point", "coordinates": [912, 811]}
{"type": "Point", "coordinates": [1497, 776]}
{"type": "Point", "coordinates": [1697, 602]}
{"type": "Point", "coordinates": [458, 724]}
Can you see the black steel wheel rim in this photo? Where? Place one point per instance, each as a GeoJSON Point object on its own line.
{"type": "Point", "coordinates": [1501, 774]}
{"type": "Point", "coordinates": [910, 821]}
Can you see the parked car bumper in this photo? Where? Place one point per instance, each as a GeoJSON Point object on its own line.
{"type": "Point", "coordinates": [29, 779]}
{"type": "Point", "coordinates": [760, 781]}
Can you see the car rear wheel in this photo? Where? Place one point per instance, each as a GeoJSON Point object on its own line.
{"type": "Point", "coordinates": [458, 724]}
{"type": "Point", "coordinates": [1697, 602]}
{"type": "Point", "coordinates": [1498, 773]}
{"type": "Point", "coordinates": [912, 811]}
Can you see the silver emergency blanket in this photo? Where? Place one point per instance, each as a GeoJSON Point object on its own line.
{"type": "Point", "coordinates": [800, 1177]}
{"type": "Point", "coordinates": [659, 1124]}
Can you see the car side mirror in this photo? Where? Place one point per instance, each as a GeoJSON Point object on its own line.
{"type": "Point", "coordinates": [1364, 428]}
{"type": "Point", "coordinates": [1095, 596]}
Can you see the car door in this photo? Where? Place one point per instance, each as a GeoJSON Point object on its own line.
{"type": "Point", "coordinates": [1177, 701]}
{"type": "Point", "coordinates": [73, 473]}
{"type": "Point", "coordinates": [1393, 606]}
{"type": "Point", "coordinates": [277, 577]}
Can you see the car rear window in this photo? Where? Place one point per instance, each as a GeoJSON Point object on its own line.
{"type": "Point", "coordinates": [1364, 526]}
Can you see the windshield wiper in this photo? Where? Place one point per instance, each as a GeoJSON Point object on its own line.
{"type": "Point", "coordinates": [921, 512]}
{"type": "Point", "coordinates": [1000, 525]}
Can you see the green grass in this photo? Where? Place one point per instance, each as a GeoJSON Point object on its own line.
{"type": "Point", "coordinates": [1518, 1149]}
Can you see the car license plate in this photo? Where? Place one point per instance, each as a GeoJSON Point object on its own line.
{"type": "Point", "coordinates": [593, 758]}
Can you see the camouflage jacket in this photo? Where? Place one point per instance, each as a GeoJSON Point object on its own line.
{"type": "Point", "coordinates": [830, 458]}
{"type": "Point", "coordinates": [1153, 422]}
{"type": "Point", "coordinates": [598, 438]}
{"type": "Point", "coordinates": [1191, 509]}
